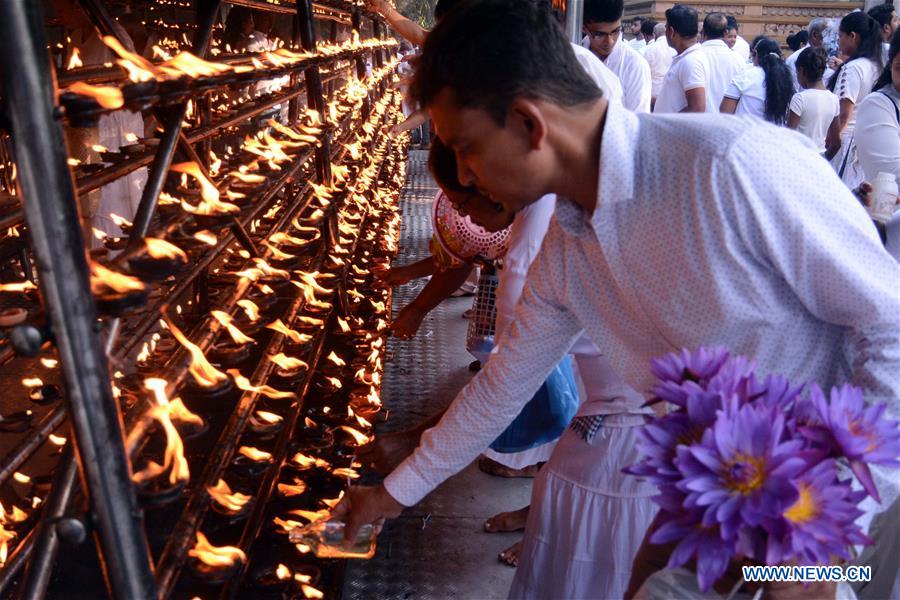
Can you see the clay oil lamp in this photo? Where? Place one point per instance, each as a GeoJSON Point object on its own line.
{"type": "Point", "coordinates": [44, 394]}
{"type": "Point", "coordinates": [214, 564]}
{"type": "Point", "coordinates": [250, 461]}
{"type": "Point", "coordinates": [16, 422]}
{"type": "Point", "coordinates": [314, 436]}
{"type": "Point", "coordinates": [296, 343]}
{"type": "Point", "coordinates": [249, 184]}
{"type": "Point", "coordinates": [11, 317]}
{"type": "Point", "coordinates": [265, 424]}
{"type": "Point", "coordinates": [349, 439]}
{"type": "Point", "coordinates": [231, 505]}
{"type": "Point", "coordinates": [158, 260]}
{"type": "Point", "coordinates": [211, 212]}
{"type": "Point", "coordinates": [116, 293]}
{"type": "Point", "coordinates": [273, 581]}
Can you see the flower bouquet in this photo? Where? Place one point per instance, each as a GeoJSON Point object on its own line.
{"type": "Point", "coordinates": [748, 467]}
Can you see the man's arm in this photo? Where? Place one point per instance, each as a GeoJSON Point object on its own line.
{"type": "Point", "coordinates": [410, 31]}
{"type": "Point", "coordinates": [542, 333]}
{"type": "Point", "coordinates": [696, 100]}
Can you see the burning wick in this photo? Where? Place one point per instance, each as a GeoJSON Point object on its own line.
{"type": "Point", "coordinates": [305, 461]}
{"type": "Point", "coordinates": [204, 373]}
{"type": "Point", "coordinates": [21, 286]}
{"type": "Point", "coordinates": [215, 556]}
{"type": "Point", "coordinates": [236, 334]}
{"type": "Point", "coordinates": [294, 336]}
{"type": "Point", "coordinates": [336, 359]}
{"type": "Point", "coordinates": [254, 454]}
{"type": "Point", "coordinates": [250, 308]}
{"type": "Point", "coordinates": [244, 384]}
{"type": "Point", "coordinates": [225, 498]}
{"type": "Point", "coordinates": [287, 490]}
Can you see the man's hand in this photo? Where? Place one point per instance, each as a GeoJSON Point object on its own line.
{"type": "Point", "coordinates": [395, 276]}
{"type": "Point", "coordinates": [407, 322]}
{"type": "Point", "coordinates": [365, 504]}
{"type": "Point", "coordinates": [379, 6]}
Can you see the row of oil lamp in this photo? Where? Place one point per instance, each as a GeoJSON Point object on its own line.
{"type": "Point", "coordinates": [168, 81]}
{"type": "Point", "coordinates": [174, 415]}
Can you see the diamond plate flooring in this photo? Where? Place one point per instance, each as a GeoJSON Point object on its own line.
{"type": "Point", "coordinates": [438, 548]}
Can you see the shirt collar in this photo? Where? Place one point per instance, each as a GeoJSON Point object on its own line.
{"type": "Point", "coordinates": [618, 148]}
{"type": "Point", "coordinates": [720, 43]}
{"type": "Point", "coordinates": [689, 50]}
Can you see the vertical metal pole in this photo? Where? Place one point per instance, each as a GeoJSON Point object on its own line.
{"type": "Point", "coordinates": [574, 15]}
{"type": "Point", "coordinates": [38, 571]}
{"type": "Point", "coordinates": [51, 213]}
{"type": "Point", "coordinates": [314, 87]}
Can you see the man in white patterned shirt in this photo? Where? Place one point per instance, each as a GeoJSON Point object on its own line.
{"type": "Point", "coordinates": [730, 232]}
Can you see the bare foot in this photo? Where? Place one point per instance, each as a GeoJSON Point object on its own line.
{"type": "Point", "coordinates": [510, 556]}
{"type": "Point", "coordinates": [507, 521]}
{"type": "Point", "coordinates": [388, 450]}
{"type": "Point", "coordinates": [492, 467]}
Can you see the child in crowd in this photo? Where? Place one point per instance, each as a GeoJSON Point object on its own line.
{"type": "Point", "coordinates": [814, 109]}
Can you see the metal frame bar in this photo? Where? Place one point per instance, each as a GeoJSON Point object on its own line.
{"type": "Point", "coordinates": [52, 217]}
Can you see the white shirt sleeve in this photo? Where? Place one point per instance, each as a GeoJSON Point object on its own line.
{"type": "Point", "coordinates": [796, 105]}
{"type": "Point", "coordinates": [641, 87]}
{"type": "Point", "coordinates": [540, 336]}
{"type": "Point", "coordinates": [878, 136]}
{"type": "Point", "coordinates": [694, 75]}
{"type": "Point", "coordinates": [849, 83]}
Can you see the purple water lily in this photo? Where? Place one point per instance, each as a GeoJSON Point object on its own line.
{"type": "Point", "coordinates": [675, 370]}
{"type": "Point", "coordinates": [855, 430]}
{"type": "Point", "coordinates": [741, 472]}
{"type": "Point", "coordinates": [820, 523]}
{"type": "Point", "coordinates": [706, 544]}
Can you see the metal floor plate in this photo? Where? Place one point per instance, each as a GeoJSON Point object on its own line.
{"type": "Point", "coordinates": [437, 549]}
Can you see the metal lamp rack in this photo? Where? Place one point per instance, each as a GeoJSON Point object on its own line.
{"type": "Point", "coordinates": [145, 551]}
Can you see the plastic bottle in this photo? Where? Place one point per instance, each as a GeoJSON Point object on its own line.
{"type": "Point", "coordinates": [884, 197]}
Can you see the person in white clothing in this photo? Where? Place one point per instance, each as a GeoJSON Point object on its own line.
{"type": "Point", "coordinates": [705, 241]}
{"type": "Point", "coordinates": [658, 55]}
{"type": "Point", "coordinates": [763, 90]}
{"type": "Point", "coordinates": [860, 39]}
{"type": "Point", "coordinates": [603, 31]}
{"type": "Point", "coordinates": [637, 41]}
{"type": "Point", "coordinates": [889, 21]}
{"type": "Point", "coordinates": [813, 110]}
{"type": "Point", "coordinates": [684, 86]}
{"type": "Point", "coordinates": [724, 63]}
{"type": "Point", "coordinates": [647, 28]}
{"type": "Point", "coordinates": [878, 121]}
{"type": "Point", "coordinates": [735, 41]}
{"type": "Point", "coordinates": [796, 42]}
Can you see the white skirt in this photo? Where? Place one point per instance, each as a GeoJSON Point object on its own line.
{"type": "Point", "coordinates": [587, 518]}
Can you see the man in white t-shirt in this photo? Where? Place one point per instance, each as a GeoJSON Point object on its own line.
{"type": "Point", "coordinates": [724, 63]}
{"type": "Point", "coordinates": [888, 20]}
{"type": "Point", "coordinates": [658, 55]}
{"type": "Point", "coordinates": [684, 86]}
{"type": "Point", "coordinates": [797, 43]}
{"type": "Point", "coordinates": [603, 30]}
{"type": "Point", "coordinates": [637, 42]}
{"type": "Point", "coordinates": [735, 41]}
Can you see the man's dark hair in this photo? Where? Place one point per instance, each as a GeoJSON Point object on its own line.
{"type": "Point", "coordinates": [647, 27]}
{"type": "Point", "coordinates": [603, 11]}
{"type": "Point", "coordinates": [477, 52]}
{"type": "Point", "coordinates": [442, 164]}
{"type": "Point", "coordinates": [443, 7]}
{"type": "Point", "coordinates": [883, 13]}
{"type": "Point", "coordinates": [683, 19]}
{"type": "Point", "coordinates": [732, 23]}
{"type": "Point", "coordinates": [714, 26]}
{"type": "Point", "coordinates": [638, 18]}
{"type": "Point", "coordinates": [795, 40]}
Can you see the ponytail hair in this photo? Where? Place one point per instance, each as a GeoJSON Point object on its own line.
{"type": "Point", "coordinates": [869, 32]}
{"type": "Point", "coordinates": [779, 85]}
{"type": "Point", "coordinates": [885, 77]}
{"type": "Point", "coordinates": [812, 61]}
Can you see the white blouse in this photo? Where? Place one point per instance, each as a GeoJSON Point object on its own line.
{"type": "Point", "coordinates": [878, 133]}
{"type": "Point", "coordinates": [854, 83]}
{"type": "Point", "coordinates": [749, 89]}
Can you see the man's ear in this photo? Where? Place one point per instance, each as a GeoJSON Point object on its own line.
{"type": "Point", "coordinates": [527, 119]}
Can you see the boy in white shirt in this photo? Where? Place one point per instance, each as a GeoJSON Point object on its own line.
{"type": "Point", "coordinates": [684, 86]}
{"type": "Point", "coordinates": [724, 63]}
{"type": "Point", "coordinates": [603, 31]}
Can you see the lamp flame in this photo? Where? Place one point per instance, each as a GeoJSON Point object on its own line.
{"type": "Point", "coordinates": [244, 384]}
{"type": "Point", "coordinates": [106, 96]}
{"type": "Point", "coordinates": [288, 363]}
{"type": "Point", "coordinates": [254, 454]}
{"type": "Point", "coordinates": [224, 497]}
{"type": "Point", "coordinates": [236, 334]}
{"type": "Point", "coordinates": [250, 308]}
{"type": "Point", "coordinates": [159, 249]}
{"type": "Point", "coordinates": [215, 556]}
{"type": "Point", "coordinates": [204, 373]}
{"type": "Point", "coordinates": [294, 336]}
{"type": "Point", "coordinates": [103, 279]}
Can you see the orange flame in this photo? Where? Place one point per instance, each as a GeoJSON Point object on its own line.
{"type": "Point", "coordinates": [336, 359]}
{"type": "Point", "coordinates": [294, 336]}
{"type": "Point", "coordinates": [173, 458]}
{"type": "Point", "coordinates": [288, 363]}
{"type": "Point", "coordinates": [204, 373]}
{"type": "Point", "coordinates": [250, 308]}
{"type": "Point", "coordinates": [211, 205]}
{"type": "Point", "coordinates": [311, 592]}
{"type": "Point", "coordinates": [32, 382]}
{"type": "Point", "coordinates": [282, 572]}
{"type": "Point", "coordinates": [358, 436]}
{"type": "Point", "coordinates": [236, 334]}
{"type": "Point", "coordinates": [247, 178]}
{"type": "Point", "coordinates": [346, 472]}
{"type": "Point", "coordinates": [207, 237]}
{"type": "Point", "coordinates": [158, 248]}
{"type": "Point", "coordinates": [244, 384]}
{"type": "Point", "coordinates": [311, 321]}
{"type": "Point", "coordinates": [276, 253]}
{"type": "Point", "coordinates": [106, 96]}
{"type": "Point", "coordinates": [287, 490]}
{"type": "Point", "coordinates": [281, 237]}
{"type": "Point", "coordinates": [224, 497]}
{"type": "Point", "coordinates": [343, 325]}
{"type": "Point", "coordinates": [103, 279]}
{"type": "Point", "coordinates": [305, 461]}
{"type": "Point", "coordinates": [254, 454]}
{"type": "Point", "coordinates": [335, 382]}
{"type": "Point", "coordinates": [264, 416]}
{"type": "Point", "coordinates": [215, 556]}
{"type": "Point", "coordinates": [74, 60]}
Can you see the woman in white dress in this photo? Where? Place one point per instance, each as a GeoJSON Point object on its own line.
{"type": "Point", "coordinates": [860, 39]}
{"type": "Point", "coordinates": [878, 121]}
{"type": "Point", "coordinates": [814, 109]}
{"type": "Point", "coordinates": [763, 90]}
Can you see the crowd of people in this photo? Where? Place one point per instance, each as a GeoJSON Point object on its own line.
{"type": "Point", "coordinates": [634, 232]}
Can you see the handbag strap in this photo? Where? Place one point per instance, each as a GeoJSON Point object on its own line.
{"type": "Point", "coordinates": [896, 109]}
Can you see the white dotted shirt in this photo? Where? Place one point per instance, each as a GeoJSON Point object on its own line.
{"type": "Point", "coordinates": [731, 232]}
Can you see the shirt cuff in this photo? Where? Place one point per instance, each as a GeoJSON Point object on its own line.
{"type": "Point", "coordinates": [406, 486]}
